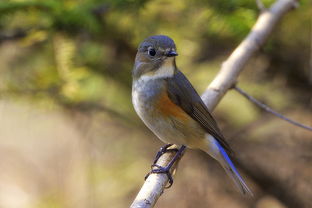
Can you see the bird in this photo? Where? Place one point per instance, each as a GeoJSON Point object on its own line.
{"type": "Point", "coordinates": [171, 108]}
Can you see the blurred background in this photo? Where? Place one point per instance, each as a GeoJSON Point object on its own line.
{"type": "Point", "coordinates": [69, 136]}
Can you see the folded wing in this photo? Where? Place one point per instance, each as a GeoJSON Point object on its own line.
{"type": "Point", "coordinates": [183, 94]}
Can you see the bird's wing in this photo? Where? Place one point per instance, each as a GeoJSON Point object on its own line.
{"type": "Point", "coordinates": [182, 93]}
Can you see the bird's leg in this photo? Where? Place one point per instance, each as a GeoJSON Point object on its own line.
{"type": "Point", "coordinates": [159, 169]}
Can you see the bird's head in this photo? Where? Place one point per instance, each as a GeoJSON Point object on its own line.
{"type": "Point", "coordinates": [155, 58]}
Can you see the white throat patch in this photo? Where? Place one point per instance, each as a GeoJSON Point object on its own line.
{"type": "Point", "coordinates": [165, 71]}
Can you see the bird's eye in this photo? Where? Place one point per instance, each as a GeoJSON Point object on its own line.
{"type": "Point", "coordinates": [151, 52]}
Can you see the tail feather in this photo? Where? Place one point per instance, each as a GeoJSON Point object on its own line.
{"type": "Point", "coordinates": [215, 150]}
{"type": "Point", "coordinates": [230, 169]}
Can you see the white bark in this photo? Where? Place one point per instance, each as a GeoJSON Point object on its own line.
{"type": "Point", "coordinates": [233, 66]}
{"type": "Point", "coordinates": [155, 184]}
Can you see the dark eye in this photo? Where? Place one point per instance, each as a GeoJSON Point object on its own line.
{"type": "Point", "coordinates": [151, 52]}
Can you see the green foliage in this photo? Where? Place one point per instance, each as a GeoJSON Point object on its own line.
{"type": "Point", "coordinates": [72, 49]}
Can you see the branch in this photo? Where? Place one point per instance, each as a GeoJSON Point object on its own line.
{"type": "Point", "coordinates": [230, 70]}
{"type": "Point", "coordinates": [14, 35]}
{"type": "Point", "coordinates": [270, 110]}
{"type": "Point", "coordinates": [260, 5]}
{"type": "Point", "coordinates": [155, 183]}
{"type": "Point", "coordinates": [232, 67]}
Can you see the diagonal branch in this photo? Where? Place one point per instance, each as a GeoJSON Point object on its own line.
{"type": "Point", "coordinates": [270, 110]}
{"type": "Point", "coordinates": [233, 66]}
{"type": "Point", "coordinates": [227, 77]}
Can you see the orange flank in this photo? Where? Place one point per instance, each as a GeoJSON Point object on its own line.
{"type": "Point", "coordinates": [168, 108]}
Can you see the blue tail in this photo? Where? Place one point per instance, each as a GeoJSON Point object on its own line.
{"type": "Point", "coordinates": [230, 169]}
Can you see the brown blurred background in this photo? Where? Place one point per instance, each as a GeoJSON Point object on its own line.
{"type": "Point", "coordinates": [69, 136]}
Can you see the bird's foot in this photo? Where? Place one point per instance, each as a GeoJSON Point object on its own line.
{"type": "Point", "coordinates": [162, 151]}
{"type": "Point", "coordinates": [159, 169]}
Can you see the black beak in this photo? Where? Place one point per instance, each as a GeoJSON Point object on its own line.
{"type": "Point", "coordinates": [171, 54]}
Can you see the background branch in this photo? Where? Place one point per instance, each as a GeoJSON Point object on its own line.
{"type": "Point", "coordinates": [13, 35]}
{"type": "Point", "coordinates": [230, 70]}
{"type": "Point", "coordinates": [260, 5]}
{"type": "Point", "coordinates": [270, 110]}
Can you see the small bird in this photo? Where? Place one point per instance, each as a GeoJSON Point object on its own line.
{"type": "Point", "coordinates": [171, 108]}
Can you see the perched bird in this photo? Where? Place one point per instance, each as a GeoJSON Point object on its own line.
{"type": "Point", "coordinates": [171, 108]}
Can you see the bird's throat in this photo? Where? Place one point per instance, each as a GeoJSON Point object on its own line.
{"type": "Point", "coordinates": [166, 70]}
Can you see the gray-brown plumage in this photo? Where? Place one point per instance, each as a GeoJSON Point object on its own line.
{"type": "Point", "coordinates": [172, 109]}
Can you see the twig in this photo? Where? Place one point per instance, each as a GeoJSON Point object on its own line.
{"type": "Point", "coordinates": [260, 5]}
{"type": "Point", "coordinates": [155, 183]}
{"type": "Point", "coordinates": [13, 35]}
{"type": "Point", "coordinates": [270, 110]}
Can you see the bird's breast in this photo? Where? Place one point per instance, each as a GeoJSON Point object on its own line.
{"type": "Point", "coordinates": [145, 95]}
{"type": "Point", "coordinates": [167, 120]}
